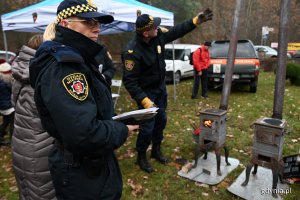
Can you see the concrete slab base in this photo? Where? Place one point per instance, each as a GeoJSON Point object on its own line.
{"type": "Point", "coordinates": [259, 186]}
{"type": "Point", "coordinates": [206, 170]}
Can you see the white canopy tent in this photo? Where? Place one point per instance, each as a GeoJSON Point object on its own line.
{"type": "Point", "coordinates": [123, 11]}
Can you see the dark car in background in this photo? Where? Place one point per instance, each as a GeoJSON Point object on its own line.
{"type": "Point", "coordinates": [296, 54]}
{"type": "Point", "coordinates": [246, 65]}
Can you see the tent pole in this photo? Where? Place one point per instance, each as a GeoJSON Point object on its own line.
{"type": "Point", "coordinates": [174, 83]}
{"type": "Point", "coordinates": [5, 45]}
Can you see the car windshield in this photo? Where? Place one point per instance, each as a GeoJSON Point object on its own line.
{"type": "Point", "coordinates": [179, 53]}
{"type": "Point", "coordinates": [271, 50]}
{"type": "Point", "coordinates": [266, 48]}
{"type": "Point", "coordinates": [220, 49]}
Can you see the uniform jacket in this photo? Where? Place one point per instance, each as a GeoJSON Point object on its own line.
{"type": "Point", "coordinates": [201, 58]}
{"type": "Point", "coordinates": [5, 88]}
{"type": "Point", "coordinates": [30, 142]}
{"type": "Point", "coordinates": [144, 63]}
{"type": "Point", "coordinates": [76, 107]}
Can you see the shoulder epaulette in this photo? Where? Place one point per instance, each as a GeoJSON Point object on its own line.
{"type": "Point", "coordinates": [163, 29]}
{"type": "Point", "coordinates": [63, 53]}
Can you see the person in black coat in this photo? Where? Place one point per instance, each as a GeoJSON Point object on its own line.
{"type": "Point", "coordinates": [144, 77]}
{"type": "Point", "coordinates": [106, 65]}
{"type": "Point", "coordinates": [76, 107]}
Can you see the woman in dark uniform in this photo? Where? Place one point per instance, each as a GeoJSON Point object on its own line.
{"type": "Point", "coordinates": [75, 104]}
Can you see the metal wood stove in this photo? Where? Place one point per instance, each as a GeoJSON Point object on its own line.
{"type": "Point", "coordinates": [212, 135]}
{"type": "Point", "coordinates": [267, 148]}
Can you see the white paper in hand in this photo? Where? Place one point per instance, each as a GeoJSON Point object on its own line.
{"type": "Point", "coordinates": [137, 115]}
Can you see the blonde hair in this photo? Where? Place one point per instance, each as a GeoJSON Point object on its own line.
{"type": "Point", "coordinates": [50, 31]}
{"type": "Point", "coordinates": [35, 41]}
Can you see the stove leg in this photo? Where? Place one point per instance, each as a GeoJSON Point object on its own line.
{"type": "Point", "coordinates": [281, 179]}
{"type": "Point", "coordinates": [197, 154]}
{"type": "Point", "coordinates": [281, 172]}
{"type": "Point", "coordinates": [275, 181]}
{"type": "Point", "coordinates": [205, 155]}
{"type": "Point", "coordinates": [248, 169]}
{"type": "Point", "coordinates": [255, 169]}
{"type": "Point", "coordinates": [218, 157]}
{"type": "Point", "coordinates": [226, 155]}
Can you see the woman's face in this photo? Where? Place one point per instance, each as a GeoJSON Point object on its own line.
{"type": "Point", "coordinates": [88, 27]}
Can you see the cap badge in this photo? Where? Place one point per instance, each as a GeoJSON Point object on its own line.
{"type": "Point", "coordinates": [129, 64]}
{"type": "Point", "coordinates": [151, 18]}
{"type": "Point", "coordinates": [91, 3]}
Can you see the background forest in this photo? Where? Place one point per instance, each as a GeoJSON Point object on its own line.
{"type": "Point", "coordinates": [255, 15]}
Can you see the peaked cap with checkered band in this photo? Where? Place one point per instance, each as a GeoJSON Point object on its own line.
{"type": "Point", "coordinates": [146, 22]}
{"type": "Point", "coordinates": [83, 9]}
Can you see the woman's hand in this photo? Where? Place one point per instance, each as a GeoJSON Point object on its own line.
{"type": "Point", "coordinates": [132, 128]}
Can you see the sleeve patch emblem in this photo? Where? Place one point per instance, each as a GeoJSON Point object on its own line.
{"type": "Point", "coordinates": [76, 85]}
{"type": "Point", "coordinates": [129, 64]}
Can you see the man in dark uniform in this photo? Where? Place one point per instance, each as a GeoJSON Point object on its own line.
{"type": "Point", "coordinates": [144, 77]}
{"type": "Point", "coordinates": [75, 105]}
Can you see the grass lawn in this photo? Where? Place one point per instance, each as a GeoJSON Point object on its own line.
{"type": "Point", "coordinates": [244, 108]}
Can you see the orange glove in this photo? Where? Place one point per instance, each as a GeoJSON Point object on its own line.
{"type": "Point", "coordinates": [147, 103]}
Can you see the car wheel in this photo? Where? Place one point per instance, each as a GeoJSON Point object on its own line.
{"type": "Point", "coordinates": [177, 77]}
{"type": "Point", "coordinates": [253, 89]}
{"type": "Point", "coordinates": [253, 85]}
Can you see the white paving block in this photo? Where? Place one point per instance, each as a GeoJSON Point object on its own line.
{"type": "Point", "coordinates": [210, 164]}
{"type": "Point", "coordinates": [259, 186]}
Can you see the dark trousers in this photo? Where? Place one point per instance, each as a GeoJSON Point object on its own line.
{"type": "Point", "coordinates": [152, 130]}
{"type": "Point", "coordinates": [71, 182]}
{"type": "Point", "coordinates": [204, 80]}
{"type": "Point", "coordinates": [7, 120]}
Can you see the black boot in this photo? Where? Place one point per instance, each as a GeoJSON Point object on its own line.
{"type": "Point", "coordinates": [143, 163]}
{"type": "Point", "coordinates": [156, 154]}
{"type": "Point", "coordinates": [1, 141]}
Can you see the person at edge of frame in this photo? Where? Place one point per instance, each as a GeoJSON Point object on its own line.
{"type": "Point", "coordinates": [76, 107]}
{"type": "Point", "coordinates": [144, 77]}
{"type": "Point", "coordinates": [106, 65]}
{"type": "Point", "coordinates": [6, 108]}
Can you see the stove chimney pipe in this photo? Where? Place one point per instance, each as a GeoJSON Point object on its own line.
{"type": "Point", "coordinates": [282, 56]}
{"type": "Point", "coordinates": [231, 56]}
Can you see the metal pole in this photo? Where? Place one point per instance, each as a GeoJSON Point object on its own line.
{"type": "Point", "coordinates": [261, 42]}
{"type": "Point", "coordinates": [174, 82]}
{"type": "Point", "coordinates": [5, 45]}
{"type": "Point", "coordinates": [282, 55]}
{"type": "Point", "coordinates": [231, 56]}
